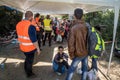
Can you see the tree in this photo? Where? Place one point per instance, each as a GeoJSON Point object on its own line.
{"type": "Point", "coordinates": [8, 19]}
{"type": "Point", "coordinates": [105, 20]}
{"type": "Point", "coordinates": [65, 16]}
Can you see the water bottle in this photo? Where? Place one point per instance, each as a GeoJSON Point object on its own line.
{"type": "Point", "coordinates": [2, 66]}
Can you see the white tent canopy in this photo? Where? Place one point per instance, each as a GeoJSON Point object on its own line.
{"type": "Point", "coordinates": [59, 6]}
{"type": "Point", "coordinates": [67, 7]}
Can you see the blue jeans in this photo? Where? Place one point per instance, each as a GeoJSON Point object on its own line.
{"type": "Point", "coordinates": [74, 65]}
{"type": "Point", "coordinates": [94, 63]}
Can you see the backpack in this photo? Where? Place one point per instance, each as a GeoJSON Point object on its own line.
{"type": "Point", "coordinates": [95, 43]}
{"type": "Point", "coordinates": [92, 75]}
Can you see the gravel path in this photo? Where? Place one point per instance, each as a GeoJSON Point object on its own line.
{"type": "Point", "coordinates": [43, 64]}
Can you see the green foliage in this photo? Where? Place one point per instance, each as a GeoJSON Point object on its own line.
{"type": "Point", "coordinates": [8, 19]}
{"type": "Point", "coordinates": [105, 20]}
{"type": "Point", "coordinates": [65, 16]}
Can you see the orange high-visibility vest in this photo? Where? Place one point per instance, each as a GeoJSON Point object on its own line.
{"type": "Point", "coordinates": [26, 44]}
{"type": "Point", "coordinates": [35, 23]}
{"type": "Point", "coordinates": [37, 20]}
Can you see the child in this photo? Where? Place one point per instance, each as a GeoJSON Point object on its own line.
{"type": "Point", "coordinates": [61, 60]}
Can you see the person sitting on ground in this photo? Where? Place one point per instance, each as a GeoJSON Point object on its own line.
{"type": "Point", "coordinates": [61, 60]}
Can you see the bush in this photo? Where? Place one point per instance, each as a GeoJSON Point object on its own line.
{"type": "Point", "coordinates": [106, 19]}
{"type": "Point", "coordinates": [8, 19]}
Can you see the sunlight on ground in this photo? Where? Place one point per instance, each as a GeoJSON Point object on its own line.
{"type": "Point", "coordinates": [50, 63]}
{"type": "Point", "coordinates": [55, 52]}
{"type": "Point", "coordinates": [12, 60]}
{"type": "Point", "coordinates": [43, 64]}
{"type": "Point", "coordinates": [18, 61]}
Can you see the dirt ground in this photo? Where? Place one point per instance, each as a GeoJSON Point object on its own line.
{"type": "Point", "coordinates": [43, 64]}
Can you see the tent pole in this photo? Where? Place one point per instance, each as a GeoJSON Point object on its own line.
{"type": "Point", "coordinates": [23, 17]}
{"type": "Point", "coordinates": [116, 16]}
{"type": "Point", "coordinates": [70, 16]}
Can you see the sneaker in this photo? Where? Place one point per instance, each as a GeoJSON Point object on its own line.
{"type": "Point", "coordinates": [43, 44]}
{"type": "Point", "coordinates": [40, 49]}
{"type": "Point", "coordinates": [49, 45]}
{"type": "Point", "coordinates": [58, 73]}
{"type": "Point", "coordinates": [32, 75]}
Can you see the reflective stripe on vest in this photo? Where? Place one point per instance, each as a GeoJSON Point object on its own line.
{"type": "Point", "coordinates": [26, 44]}
{"type": "Point", "coordinates": [47, 25]}
{"type": "Point", "coordinates": [24, 37]}
{"type": "Point", "coordinates": [47, 28]}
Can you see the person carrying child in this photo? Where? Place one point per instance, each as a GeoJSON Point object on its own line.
{"type": "Point", "coordinates": [60, 62]}
{"type": "Point", "coordinates": [60, 33]}
{"type": "Point", "coordinates": [98, 46]}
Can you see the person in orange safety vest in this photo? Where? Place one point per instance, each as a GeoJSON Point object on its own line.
{"type": "Point", "coordinates": [36, 22]}
{"type": "Point", "coordinates": [28, 43]}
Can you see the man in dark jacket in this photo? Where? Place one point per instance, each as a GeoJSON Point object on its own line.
{"type": "Point", "coordinates": [77, 45]}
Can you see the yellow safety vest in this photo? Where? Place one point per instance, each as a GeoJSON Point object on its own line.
{"type": "Point", "coordinates": [100, 41]}
{"type": "Point", "coordinates": [47, 26]}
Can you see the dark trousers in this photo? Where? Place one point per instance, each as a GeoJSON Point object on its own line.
{"type": "Point", "coordinates": [61, 64]}
{"type": "Point", "coordinates": [65, 35]}
{"type": "Point", "coordinates": [47, 34]}
{"type": "Point", "coordinates": [94, 63]}
{"type": "Point", "coordinates": [29, 62]}
{"type": "Point", "coordinates": [39, 39]}
{"type": "Point", "coordinates": [55, 37]}
{"type": "Point", "coordinates": [62, 38]}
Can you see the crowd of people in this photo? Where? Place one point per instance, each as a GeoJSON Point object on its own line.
{"type": "Point", "coordinates": [51, 29]}
{"type": "Point", "coordinates": [33, 33]}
